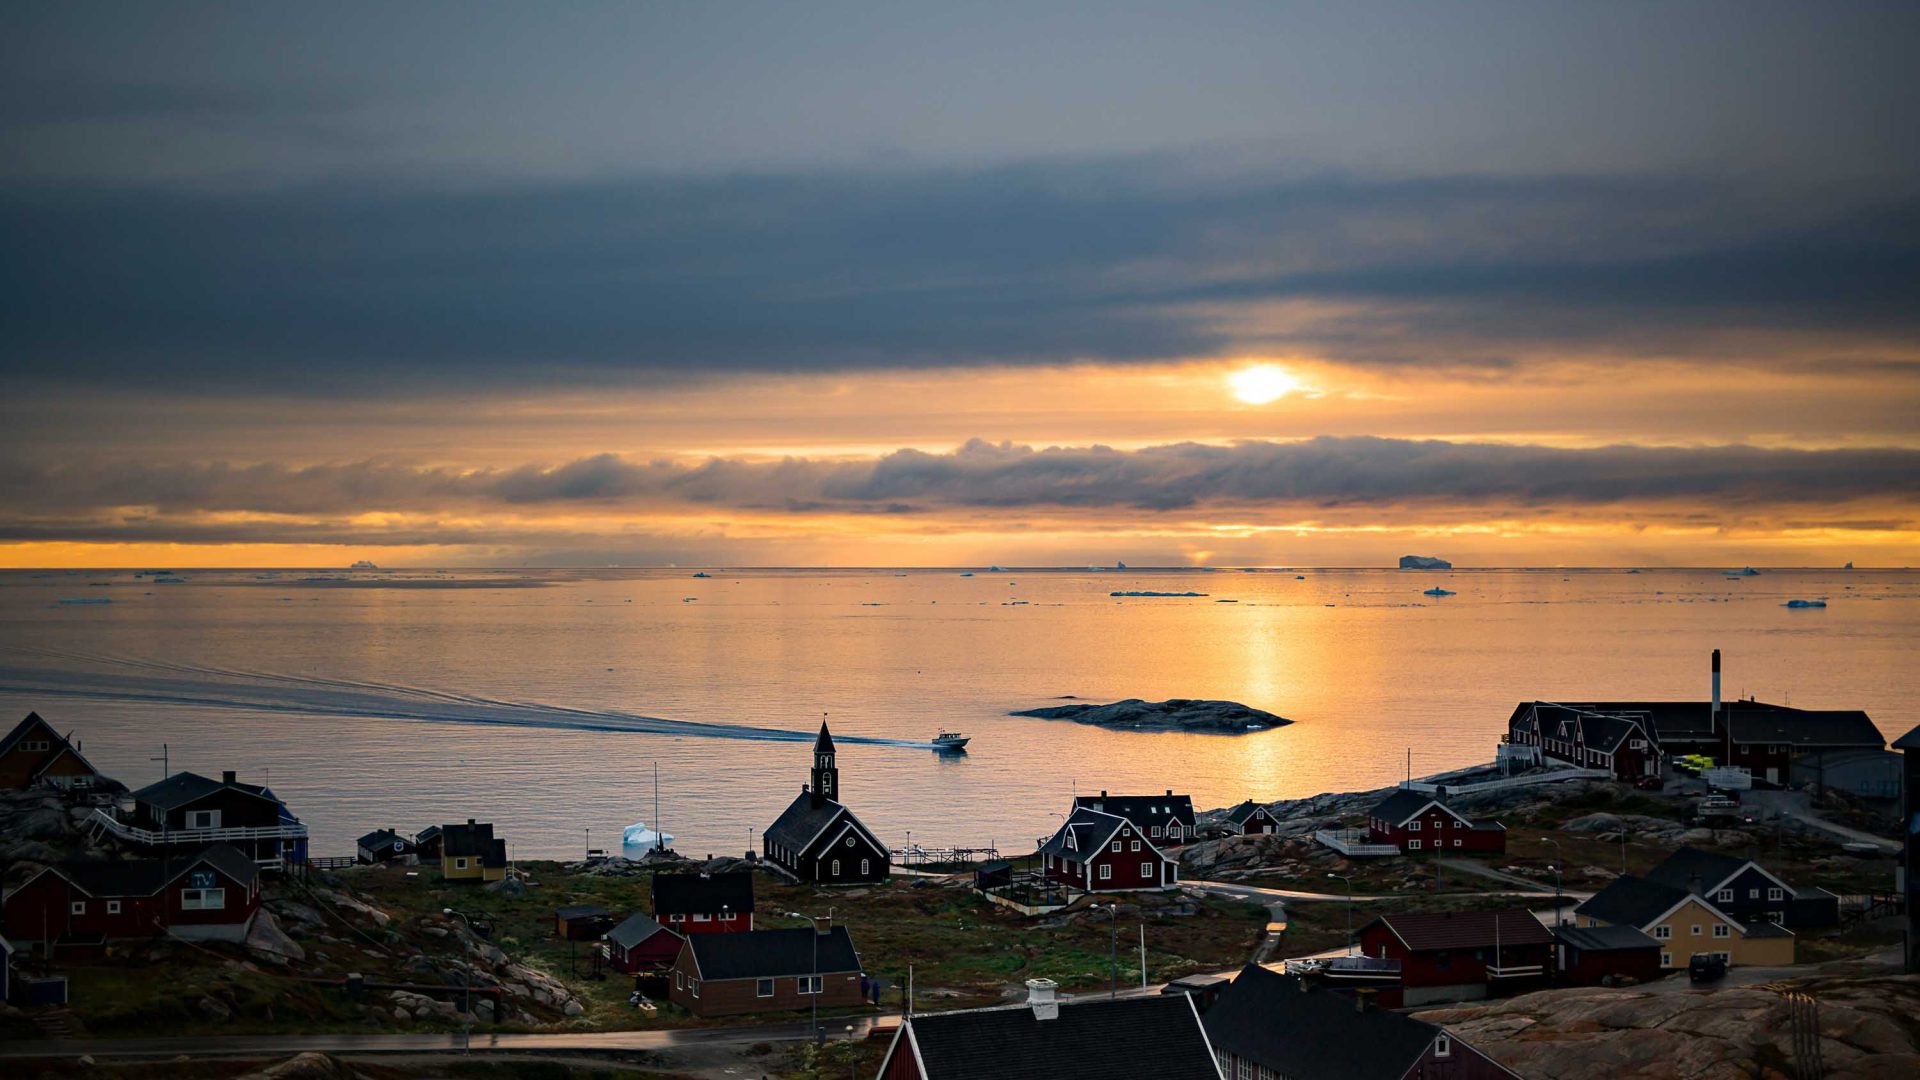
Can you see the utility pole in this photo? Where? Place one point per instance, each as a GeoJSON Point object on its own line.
{"type": "Point", "coordinates": [1113, 920]}
{"type": "Point", "coordinates": [1559, 918]}
{"type": "Point", "coordinates": [166, 769]}
{"type": "Point", "coordinates": [1143, 956]}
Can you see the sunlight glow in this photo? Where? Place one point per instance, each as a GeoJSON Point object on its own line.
{"type": "Point", "coordinates": [1261, 383]}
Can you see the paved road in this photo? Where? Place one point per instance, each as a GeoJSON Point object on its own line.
{"type": "Point", "coordinates": [1796, 805]}
{"type": "Point", "coordinates": [1883, 962]}
{"type": "Point", "coordinates": [1234, 890]}
{"type": "Point", "coordinates": [267, 1045]}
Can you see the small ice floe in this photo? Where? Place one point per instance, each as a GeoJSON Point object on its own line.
{"type": "Point", "coordinates": [1150, 592]}
{"type": "Point", "coordinates": [85, 600]}
{"type": "Point", "coordinates": [1804, 603]}
{"type": "Point", "coordinates": [1299, 577]}
{"type": "Point", "coordinates": [638, 835]}
{"type": "Point", "coordinates": [1438, 591]}
{"type": "Point", "coordinates": [996, 569]}
{"type": "Point", "coordinates": [702, 573]}
{"type": "Point", "coordinates": [966, 573]}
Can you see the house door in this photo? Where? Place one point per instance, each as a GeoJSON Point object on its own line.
{"type": "Point", "coordinates": [1166, 872]}
{"type": "Point", "coordinates": [1773, 775]}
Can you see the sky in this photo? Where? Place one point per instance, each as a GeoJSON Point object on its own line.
{"type": "Point", "coordinates": [913, 284]}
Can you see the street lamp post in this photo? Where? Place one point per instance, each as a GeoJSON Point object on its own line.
{"type": "Point", "coordinates": [1349, 882]}
{"type": "Point", "coordinates": [813, 924]}
{"type": "Point", "coordinates": [1558, 918]}
{"type": "Point", "coordinates": [1113, 919]}
{"type": "Point", "coordinates": [466, 1009]}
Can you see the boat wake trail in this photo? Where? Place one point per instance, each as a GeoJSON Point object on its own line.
{"type": "Point", "coordinates": [157, 683]}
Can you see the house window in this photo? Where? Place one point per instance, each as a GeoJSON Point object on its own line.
{"type": "Point", "coordinates": [1415, 827]}
{"type": "Point", "coordinates": [113, 907]}
{"type": "Point", "coordinates": [763, 988]}
{"type": "Point", "coordinates": [1720, 930]}
{"type": "Point", "coordinates": [460, 864]}
{"type": "Point", "coordinates": [1442, 1047]}
{"type": "Point", "coordinates": [1246, 1071]}
{"type": "Point", "coordinates": [1696, 929]}
{"type": "Point", "coordinates": [836, 868]}
{"type": "Point", "coordinates": [1457, 842]}
{"type": "Point", "coordinates": [203, 899]}
{"type": "Point", "coordinates": [1666, 959]}
{"type": "Point", "coordinates": [1413, 845]}
{"type": "Point", "coordinates": [203, 819]}
{"type": "Point", "coordinates": [727, 916]}
{"type": "Point", "coordinates": [1146, 869]}
{"type": "Point", "coordinates": [1116, 843]}
{"type": "Point", "coordinates": [1725, 896]}
{"type": "Point", "coordinates": [1752, 894]}
{"type": "Point", "coordinates": [78, 907]}
{"type": "Point", "coordinates": [1776, 894]}
{"type": "Point", "coordinates": [1136, 845]}
{"type": "Point", "coordinates": [1173, 832]}
{"type": "Point", "coordinates": [865, 867]}
{"type": "Point", "coordinates": [1106, 871]}
{"type": "Point", "coordinates": [1663, 932]}
{"type": "Point", "coordinates": [693, 985]}
{"type": "Point", "coordinates": [702, 917]}
{"type": "Point", "coordinates": [33, 745]}
{"type": "Point", "coordinates": [1636, 744]}
{"type": "Point", "coordinates": [808, 984]}
{"type": "Point", "coordinates": [676, 917]}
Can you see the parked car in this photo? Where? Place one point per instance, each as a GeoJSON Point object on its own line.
{"type": "Point", "coordinates": [1705, 967]}
{"type": "Point", "coordinates": [1650, 783]}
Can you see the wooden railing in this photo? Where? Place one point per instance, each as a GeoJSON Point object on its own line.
{"type": "Point", "coordinates": [155, 838]}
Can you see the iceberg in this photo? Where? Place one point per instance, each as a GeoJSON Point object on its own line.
{"type": "Point", "coordinates": [1804, 603]}
{"type": "Point", "coordinates": [638, 835]}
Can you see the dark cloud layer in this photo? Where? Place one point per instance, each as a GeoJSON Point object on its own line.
{"type": "Point", "coordinates": [342, 289]}
{"type": "Point", "coordinates": [1323, 473]}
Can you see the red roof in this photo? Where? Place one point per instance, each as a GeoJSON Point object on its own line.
{"type": "Point", "coordinates": [1466, 930]}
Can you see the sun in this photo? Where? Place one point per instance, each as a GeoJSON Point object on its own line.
{"type": "Point", "coordinates": [1261, 383]}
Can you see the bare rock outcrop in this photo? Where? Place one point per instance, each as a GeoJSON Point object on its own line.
{"type": "Point", "coordinates": [1866, 1031]}
{"type": "Point", "coordinates": [1174, 714]}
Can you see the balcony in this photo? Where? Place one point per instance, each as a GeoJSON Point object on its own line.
{"type": "Point", "coordinates": [111, 824]}
{"type": "Point", "coordinates": [1353, 843]}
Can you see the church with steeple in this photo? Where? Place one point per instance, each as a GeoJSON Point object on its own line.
{"type": "Point", "coordinates": [818, 840]}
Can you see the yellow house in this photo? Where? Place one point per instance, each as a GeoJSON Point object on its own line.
{"type": "Point", "coordinates": [1685, 925]}
{"type": "Point", "coordinates": [470, 852]}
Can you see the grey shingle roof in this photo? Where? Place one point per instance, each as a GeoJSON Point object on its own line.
{"type": "Point", "coordinates": [145, 877]}
{"type": "Point", "coordinates": [1466, 929]}
{"type": "Point", "coordinates": [1680, 869]}
{"type": "Point", "coordinates": [184, 787]}
{"type": "Point", "coordinates": [1240, 814]}
{"type": "Point", "coordinates": [1605, 938]}
{"type": "Point", "coordinates": [1399, 806]}
{"type": "Point", "coordinates": [1909, 741]}
{"type": "Point", "coordinates": [703, 894]}
{"type": "Point", "coordinates": [1631, 901]}
{"type": "Point", "coordinates": [1266, 1018]}
{"type": "Point", "coordinates": [1156, 1037]}
{"type": "Point", "coordinates": [801, 821]}
{"type": "Point", "coordinates": [635, 929]}
{"type": "Point", "coordinates": [1758, 722]}
{"type": "Point", "coordinates": [764, 954]}
{"type": "Point", "coordinates": [1145, 811]}
{"type": "Point", "coordinates": [379, 839]}
{"type": "Point", "coordinates": [1091, 829]}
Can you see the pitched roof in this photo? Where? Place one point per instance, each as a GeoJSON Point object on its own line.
{"type": "Point", "coordinates": [635, 929]}
{"type": "Point", "coordinates": [765, 954]}
{"type": "Point", "coordinates": [1404, 803]}
{"type": "Point", "coordinates": [1631, 901]}
{"type": "Point", "coordinates": [823, 743]}
{"type": "Point", "coordinates": [1678, 870]}
{"type": "Point", "coordinates": [1604, 938]}
{"type": "Point", "coordinates": [1145, 811]}
{"type": "Point", "coordinates": [579, 911]}
{"type": "Point", "coordinates": [1909, 741]}
{"type": "Point", "coordinates": [1465, 929]}
{"type": "Point", "coordinates": [1592, 726]}
{"type": "Point", "coordinates": [801, 821]}
{"type": "Point", "coordinates": [184, 787]}
{"type": "Point", "coordinates": [145, 877]}
{"type": "Point", "coordinates": [701, 894]}
{"type": "Point", "coordinates": [1240, 814]}
{"type": "Point", "coordinates": [1308, 1034]}
{"type": "Point", "coordinates": [1090, 831]}
{"type": "Point", "coordinates": [380, 838]}
{"type": "Point", "coordinates": [473, 839]}
{"type": "Point", "coordinates": [20, 729]}
{"type": "Point", "coordinates": [1759, 722]}
{"type": "Point", "coordinates": [1682, 720]}
{"type": "Point", "coordinates": [1158, 1037]}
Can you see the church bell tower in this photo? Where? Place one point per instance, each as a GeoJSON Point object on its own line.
{"type": "Point", "coordinates": [826, 775]}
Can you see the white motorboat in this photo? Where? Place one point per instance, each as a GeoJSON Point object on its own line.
{"type": "Point", "coordinates": [950, 740]}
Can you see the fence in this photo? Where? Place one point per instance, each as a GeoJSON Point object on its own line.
{"type": "Point", "coordinates": [1554, 777]}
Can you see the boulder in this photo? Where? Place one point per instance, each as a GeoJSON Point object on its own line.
{"type": "Point", "coordinates": [308, 1066]}
{"type": "Point", "coordinates": [268, 942]}
{"type": "Point", "coordinates": [214, 1009]}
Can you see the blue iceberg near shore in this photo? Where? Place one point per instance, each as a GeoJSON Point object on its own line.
{"type": "Point", "coordinates": [638, 835]}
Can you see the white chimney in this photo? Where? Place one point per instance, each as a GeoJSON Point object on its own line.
{"type": "Point", "coordinates": [1716, 684]}
{"type": "Point", "coordinates": [1041, 999]}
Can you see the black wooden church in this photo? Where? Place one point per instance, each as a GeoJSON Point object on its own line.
{"type": "Point", "coordinates": [816, 839]}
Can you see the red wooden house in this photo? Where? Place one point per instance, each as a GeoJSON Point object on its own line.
{"type": "Point", "coordinates": [1415, 822]}
{"type": "Point", "coordinates": [33, 754]}
{"type": "Point", "coordinates": [1461, 956]}
{"type": "Point", "coordinates": [704, 903]}
{"type": "Point", "coordinates": [212, 895]}
{"type": "Point", "coordinates": [1587, 955]}
{"type": "Point", "coordinates": [1251, 819]}
{"type": "Point", "coordinates": [1100, 852]}
{"type": "Point", "coordinates": [641, 944]}
{"type": "Point", "coordinates": [768, 971]}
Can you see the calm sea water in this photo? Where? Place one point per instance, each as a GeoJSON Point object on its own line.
{"type": "Point", "coordinates": [547, 710]}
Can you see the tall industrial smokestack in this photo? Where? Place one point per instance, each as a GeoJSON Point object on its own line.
{"type": "Point", "coordinates": [1716, 685]}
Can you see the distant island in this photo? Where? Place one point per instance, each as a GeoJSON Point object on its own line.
{"type": "Point", "coordinates": [1424, 562]}
{"type": "Point", "coordinates": [1174, 714]}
